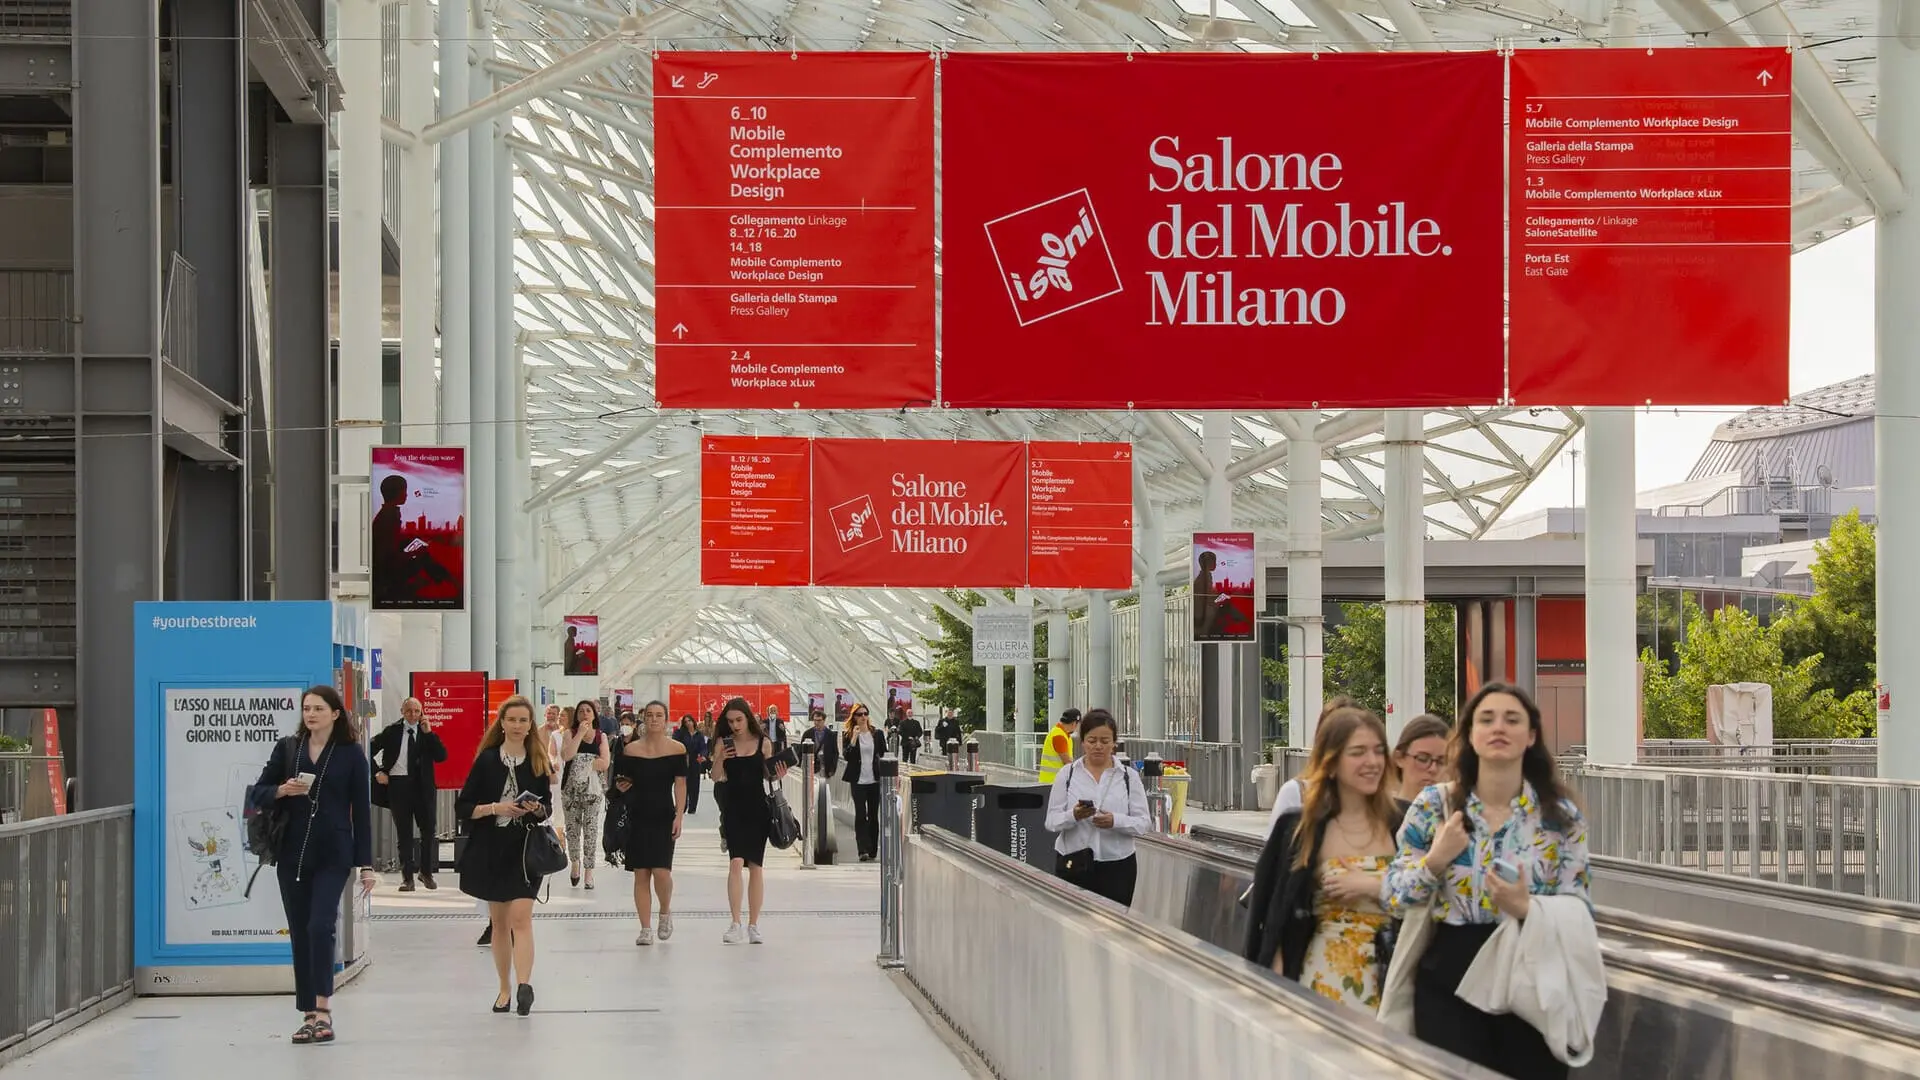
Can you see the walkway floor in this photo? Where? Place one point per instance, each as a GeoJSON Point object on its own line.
{"type": "Point", "coordinates": [810, 1002]}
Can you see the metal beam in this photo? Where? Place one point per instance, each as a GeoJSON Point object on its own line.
{"type": "Point", "coordinates": [592, 462]}
{"type": "Point", "coordinates": [574, 65]}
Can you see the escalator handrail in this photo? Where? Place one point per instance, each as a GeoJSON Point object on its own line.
{"type": "Point", "coordinates": [1773, 890]}
{"type": "Point", "coordinates": [1418, 1058]}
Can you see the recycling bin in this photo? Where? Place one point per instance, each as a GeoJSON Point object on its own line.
{"type": "Point", "coordinates": [1012, 820]}
{"type": "Point", "coordinates": [945, 799]}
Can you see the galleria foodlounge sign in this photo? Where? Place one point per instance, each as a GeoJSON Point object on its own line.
{"type": "Point", "coordinates": [919, 513]}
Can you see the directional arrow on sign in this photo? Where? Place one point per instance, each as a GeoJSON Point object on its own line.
{"type": "Point", "coordinates": [680, 330]}
{"type": "Point", "coordinates": [1765, 77]}
{"type": "Point", "coordinates": [679, 81]}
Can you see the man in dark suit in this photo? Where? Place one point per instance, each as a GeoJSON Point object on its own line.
{"type": "Point", "coordinates": [404, 755]}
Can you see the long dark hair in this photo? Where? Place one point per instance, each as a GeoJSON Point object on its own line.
{"type": "Point", "coordinates": [345, 730]}
{"type": "Point", "coordinates": [1536, 764]}
{"type": "Point", "coordinates": [1319, 788]}
{"type": "Point", "coordinates": [584, 703]}
{"type": "Point", "coordinates": [740, 705]}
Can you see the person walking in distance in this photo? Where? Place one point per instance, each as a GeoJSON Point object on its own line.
{"type": "Point", "coordinates": [690, 737]}
{"type": "Point", "coordinates": [404, 755]}
{"type": "Point", "coordinates": [742, 764]}
{"type": "Point", "coordinates": [910, 733]}
{"type": "Point", "coordinates": [509, 788]}
{"type": "Point", "coordinates": [584, 752]}
{"type": "Point", "coordinates": [862, 747]}
{"type": "Point", "coordinates": [651, 775]}
{"type": "Point", "coordinates": [946, 731]}
{"type": "Point", "coordinates": [319, 779]}
{"type": "Point", "coordinates": [1057, 749]}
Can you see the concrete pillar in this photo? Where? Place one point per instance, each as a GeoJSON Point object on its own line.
{"type": "Point", "coordinates": [1217, 662]}
{"type": "Point", "coordinates": [359, 364]}
{"type": "Point", "coordinates": [1611, 532]}
{"type": "Point", "coordinates": [1526, 642]}
{"type": "Point", "coordinates": [512, 526]}
{"type": "Point", "coordinates": [419, 647]}
{"type": "Point", "coordinates": [1306, 604]}
{"type": "Point", "coordinates": [1059, 673]}
{"type": "Point", "coordinates": [1896, 372]}
{"type": "Point", "coordinates": [1153, 616]}
{"type": "Point", "coordinates": [1099, 649]}
{"type": "Point", "coordinates": [483, 468]}
{"type": "Point", "coordinates": [456, 333]}
{"type": "Point", "coordinates": [1406, 570]}
{"type": "Point", "coordinates": [1023, 673]}
{"type": "Point", "coordinates": [996, 698]}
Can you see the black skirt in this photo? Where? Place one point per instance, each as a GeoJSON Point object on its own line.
{"type": "Point", "coordinates": [492, 867]}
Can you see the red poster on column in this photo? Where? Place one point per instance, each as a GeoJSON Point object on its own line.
{"type": "Point", "coordinates": [919, 513]}
{"type": "Point", "coordinates": [753, 511]}
{"type": "Point", "coordinates": [456, 704]}
{"type": "Point", "coordinates": [56, 761]}
{"type": "Point", "coordinates": [793, 230]}
{"type": "Point", "coordinates": [1080, 506]}
{"type": "Point", "coordinates": [1652, 226]}
{"type": "Point", "coordinates": [1339, 245]}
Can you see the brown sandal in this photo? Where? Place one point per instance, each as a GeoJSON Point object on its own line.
{"type": "Point", "coordinates": [304, 1033]}
{"type": "Point", "coordinates": [323, 1029]}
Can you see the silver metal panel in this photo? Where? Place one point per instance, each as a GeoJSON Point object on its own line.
{"type": "Point", "coordinates": [66, 919]}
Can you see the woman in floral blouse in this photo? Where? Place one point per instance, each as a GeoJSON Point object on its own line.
{"type": "Point", "coordinates": [1505, 830]}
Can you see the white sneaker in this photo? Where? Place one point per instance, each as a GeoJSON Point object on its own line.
{"type": "Point", "coordinates": [666, 926]}
{"type": "Point", "coordinates": [646, 936]}
{"type": "Point", "coordinates": [753, 936]}
{"type": "Point", "coordinates": [732, 936]}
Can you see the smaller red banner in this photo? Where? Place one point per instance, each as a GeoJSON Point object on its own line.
{"type": "Point", "coordinates": [919, 513]}
{"type": "Point", "coordinates": [1080, 510]}
{"type": "Point", "coordinates": [1223, 569]}
{"type": "Point", "coordinates": [705, 700]}
{"type": "Point", "coordinates": [753, 511]}
{"type": "Point", "coordinates": [456, 704]}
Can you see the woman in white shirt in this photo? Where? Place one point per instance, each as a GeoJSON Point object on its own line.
{"type": "Point", "coordinates": [1097, 808]}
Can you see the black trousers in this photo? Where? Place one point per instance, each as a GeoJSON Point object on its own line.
{"type": "Point", "coordinates": [693, 792]}
{"type": "Point", "coordinates": [1505, 1043]}
{"type": "Point", "coordinates": [313, 911]}
{"type": "Point", "coordinates": [413, 806]}
{"type": "Point", "coordinates": [1113, 879]}
{"type": "Point", "coordinates": [866, 818]}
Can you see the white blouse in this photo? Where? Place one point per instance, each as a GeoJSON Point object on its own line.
{"type": "Point", "coordinates": [1118, 792]}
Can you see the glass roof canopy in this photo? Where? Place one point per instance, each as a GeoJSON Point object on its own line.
{"type": "Point", "coordinates": [621, 517]}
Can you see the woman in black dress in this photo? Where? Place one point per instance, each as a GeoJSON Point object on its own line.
{"type": "Point", "coordinates": [742, 764]}
{"type": "Point", "coordinates": [508, 791]}
{"type": "Point", "coordinates": [319, 779]}
{"type": "Point", "coordinates": [651, 775]}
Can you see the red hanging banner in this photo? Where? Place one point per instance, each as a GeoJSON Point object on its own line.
{"type": "Point", "coordinates": [1080, 511]}
{"type": "Point", "coordinates": [919, 513]}
{"type": "Point", "coordinates": [456, 703]}
{"type": "Point", "coordinates": [1103, 213]}
{"type": "Point", "coordinates": [753, 511]}
{"type": "Point", "coordinates": [1652, 226]}
{"type": "Point", "coordinates": [793, 230]}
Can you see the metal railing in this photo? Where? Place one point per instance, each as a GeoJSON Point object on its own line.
{"type": "Point", "coordinates": [1844, 834]}
{"type": "Point", "coordinates": [36, 312]}
{"type": "Point", "coordinates": [66, 923]}
{"type": "Point", "coordinates": [1218, 770]}
{"type": "Point", "coordinates": [1014, 749]}
{"type": "Point", "coordinates": [24, 791]}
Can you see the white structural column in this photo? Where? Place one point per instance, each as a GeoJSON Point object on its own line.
{"type": "Point", "coordinates": [1023, 673]}
{"type": "Point", "coordinates": [512, 525]}
{"type": "Point", "coordinates": [1216, 513]}
{"type": "Point", "coordinates": [359, 379]}
{"type": "Point", "coordinates": [1099, 649]}
{"type": "Point", "coordinates": [1611, 534]}
{"type": "Point", "coordinates": [996, 698]}
{"type": "Point", "coordinates": [418, 410]}
{"type": "Point", "coordinates": [1406, 570]}
{"type": "Point", "coordinates": [1306, 648]}
{"type": "Point", "coordinates": [483, 474]}
{"type": "Point", "coordinates": [1059, 683]}
{"type": "Point", "coordinates": [1897, 397]}
{"type": "Point", "coordinates": [1153, 609]}
{"type": "Point", "coordinates": [456, 336]}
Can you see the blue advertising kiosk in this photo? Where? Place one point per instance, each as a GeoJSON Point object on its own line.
{"type": "Point", "coordinates": [215, 686]}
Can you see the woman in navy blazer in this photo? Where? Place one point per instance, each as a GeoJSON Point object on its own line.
{"type": "Point", "coordinates": [320, 779]}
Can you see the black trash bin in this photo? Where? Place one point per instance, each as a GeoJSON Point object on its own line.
{"type": "Point", "coordinates": [945, 799]}
{"type": "Point", "coordinates": [1012, 820]}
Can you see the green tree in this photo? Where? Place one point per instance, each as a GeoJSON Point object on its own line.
{"type": "Point", "coordinates": [1356, 657]}
{"type": "Point", "coordinates": [1836, 623]}
{"type": "Point", "coordinates": [1731, 646]}
{"type": "Point", "coordinates": [950, 680]}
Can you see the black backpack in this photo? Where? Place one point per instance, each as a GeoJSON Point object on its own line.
{"type": "Point", "coordinates": [266, 828]}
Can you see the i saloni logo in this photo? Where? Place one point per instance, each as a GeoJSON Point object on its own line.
{"type": "Point", "coordinates": [855, 524]}
{"type": "Point", "coordinates": [1053, 257]}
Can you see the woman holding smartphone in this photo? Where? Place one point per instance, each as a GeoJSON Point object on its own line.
{"type": "Point", "coordinates": [1096, 809]}
{"type": "Point", "coordinates": [319, 779]}
{"type": "Point", "coordinates": [509, 789]}
{"type": "Point", "coordinates": [743, 763]}
{"type": "Point", "coordinates": [862, 747]}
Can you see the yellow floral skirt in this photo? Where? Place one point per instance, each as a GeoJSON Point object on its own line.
{"type": "Point", "coordinates": [1339, 963]}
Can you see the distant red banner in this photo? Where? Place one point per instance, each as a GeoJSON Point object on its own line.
{"type": "Point", "coordinates": [1103, 212]}
{"type": "Point", "coordinates": [1652, 226]}
{"type": "Point", "coordinates": [704, 700]}
{"type": "Point", "coordinates": [1080, 515]}
{"type": "Point", "coordinates": [753, 511]}
{"type": "Point", "coordinates": [456, 703]}
{"type": "Point", "coordinates": [919, 513]}
{"type": "Point", "coordinates": [793, 229]}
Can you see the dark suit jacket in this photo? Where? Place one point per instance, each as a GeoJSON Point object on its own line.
{"type": "Point", "coordinates": [428, 751]}
{"type": "Point", "coordinates": [488, 779]}
{"type": "Point", "coordinates": [341, 834]}
{"type": "Point", "coordinates": [948, 729]}
{"type": "Point", "coordinates": [850, 748]}
{"type": "Point", "coordinates": [826, 749]}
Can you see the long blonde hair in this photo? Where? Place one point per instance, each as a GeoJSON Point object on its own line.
{"type": "Point", "coordinates": [536, 741]}
{"type": "Point", "coordinates": [1319, 788]}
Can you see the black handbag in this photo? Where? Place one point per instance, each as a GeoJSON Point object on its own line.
{"type": "Point", "coordinates": [783, 829]}
{"type": "Point", "coordinates": [615, 832]}
{"type": "Point", "coordinates": [541, 853]}
{"type": "Point", "coordinates": [1075, 867]}
{"type": "Point", "coordinates": [267, 828]}
{"type": "Point", "coordinates": [1384, 941]}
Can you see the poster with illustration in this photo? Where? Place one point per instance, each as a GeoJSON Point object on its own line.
{"type": "Point", "coordinates": [418, 532]}
{"type": "Point", "coordinates": [1223, 570]}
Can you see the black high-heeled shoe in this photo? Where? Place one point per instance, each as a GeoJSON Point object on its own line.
{"type": "Point", "coordinates": [526, 998]}
{"type": "Point", "coordinates": [576, 880]}
{"type": "Point", "coordinates": [504, 1006]}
